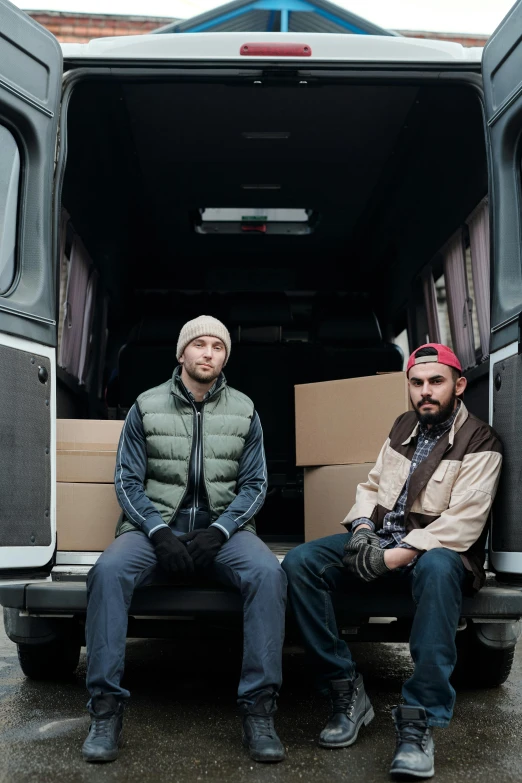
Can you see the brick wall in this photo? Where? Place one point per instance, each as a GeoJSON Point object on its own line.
{"type": "Point", "coordinates": [80, 28]}
{"type": "Point", "coordinates": [462, 38]}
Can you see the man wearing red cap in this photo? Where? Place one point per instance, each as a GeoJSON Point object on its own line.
{"type": "Point", "coordinates": [417, 522]}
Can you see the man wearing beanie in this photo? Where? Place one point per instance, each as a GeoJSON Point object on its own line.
{"type": "Point", "coordinates": [190, 477]}
{"type": "Point", "coordinates": [418, 523]}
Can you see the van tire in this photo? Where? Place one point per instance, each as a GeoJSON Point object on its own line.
{"type": "Point", "coordinates": [478, 665]}
{"type": "Point", "coordinates": [56, 660]}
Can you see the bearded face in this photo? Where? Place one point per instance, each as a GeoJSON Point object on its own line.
{"type": "Point", "coordinates": [203, 359]}
{"type": "Point", "coordinates": [434, 392]}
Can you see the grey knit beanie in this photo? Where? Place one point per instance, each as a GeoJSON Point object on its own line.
{"type": "Point", "coordinates": [200, 326]}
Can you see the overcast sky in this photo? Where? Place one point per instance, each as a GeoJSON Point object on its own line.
{"type": "Point", "coordinates": [459, 16]}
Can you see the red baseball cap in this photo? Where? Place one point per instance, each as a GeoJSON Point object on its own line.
{"type": "Point", "coordinates": [444, 356]}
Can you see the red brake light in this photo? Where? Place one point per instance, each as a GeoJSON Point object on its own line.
{"type": "Point", "coordinates": [260, 228]}
{"type": "Point", "coordinates": [275, 50]}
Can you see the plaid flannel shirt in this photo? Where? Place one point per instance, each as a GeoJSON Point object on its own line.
{"type": "Point", "coordinates": [393, 530]}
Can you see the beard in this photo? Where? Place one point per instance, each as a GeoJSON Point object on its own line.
{"type": "Point", "coordinates": [444, 412]}
{"type": "Point", "coordinates": [196, 373]}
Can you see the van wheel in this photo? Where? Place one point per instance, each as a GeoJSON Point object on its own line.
{"type": "Point", "coordinates": [56, 660]}
{"type": "Point", "coordinates": [479, 665]}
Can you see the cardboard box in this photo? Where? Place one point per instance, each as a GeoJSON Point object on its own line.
{"type": "Point", "coordinates": [86, 450]}
{"type": "Point", "coordinates": [346, 422]}
{"type": "Point", "coordinates": [329, 494]}
{"type": "Point", "coordinates": [86, 516]}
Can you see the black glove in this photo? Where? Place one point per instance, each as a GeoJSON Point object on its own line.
{"type": "Point", "coordinates": [364, 556]}
{"type": "Point", "coordinates": [203, 545]}
{"type": "Point", "coordinates": [171, 553]}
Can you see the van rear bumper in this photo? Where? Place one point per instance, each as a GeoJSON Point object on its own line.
{"type": "Point", "coordinates": [493, 602]}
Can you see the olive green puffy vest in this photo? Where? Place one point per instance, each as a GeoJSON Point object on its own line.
{"type": "Point", "coordinates": [168, 423]}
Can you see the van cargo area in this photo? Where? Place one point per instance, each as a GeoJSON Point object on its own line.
{"type": "Point", "coordinates": [299, 207]}
{"type": "Point", "coordinates": [384, 170]}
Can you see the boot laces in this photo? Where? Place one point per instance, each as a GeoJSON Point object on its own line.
{"type": "Point", "coordinates": [412, 731]}
{"type": "Point", "coordinates": [101, 727]}
{"type": "Point", "coordinates": [263, 725]}
{"type": "Point", "coordinates": [344, 702]}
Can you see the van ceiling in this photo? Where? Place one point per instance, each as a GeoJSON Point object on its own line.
{"type": "Point", "coordinates": [392, 171]}
{"type": "Point", "coordinates": [195, 154]}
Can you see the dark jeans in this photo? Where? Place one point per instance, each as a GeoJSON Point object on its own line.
{"type": "Point", "coordinates": [243, 562]}
{"type": "Point", "coordinates": [315, 569]}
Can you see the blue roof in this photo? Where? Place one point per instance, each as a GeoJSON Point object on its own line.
{"type": "Point", "coordinates": [294, 16]}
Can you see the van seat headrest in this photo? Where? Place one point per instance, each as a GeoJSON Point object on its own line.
{"type": "Point", "coordinates": [156, 331]}
{"type": "Point", "coordinates": [259, 310]}
{"type": "Point", "coordinates": [355, 329]}
{"type": "Point", "coordinates": [260, 334]}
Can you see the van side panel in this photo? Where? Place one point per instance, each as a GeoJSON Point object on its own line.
{"type": "Point", "coordinates": [27, 454]}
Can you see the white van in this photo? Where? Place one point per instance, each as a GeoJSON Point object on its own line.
{"type": "Point", "coordinates": [328, 196]}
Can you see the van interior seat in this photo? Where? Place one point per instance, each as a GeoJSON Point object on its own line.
{"type": "Point", "coordinates": [260, 366]}
{"type": "Point", "coordinates": [352, 346]}
{"type": "Point", "coordinates": [148, 357]}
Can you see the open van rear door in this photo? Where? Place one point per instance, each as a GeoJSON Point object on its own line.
{"type": "Point", "coordinates": [30, 87]}
{"type": "Point", "coordinates": [502, 74]}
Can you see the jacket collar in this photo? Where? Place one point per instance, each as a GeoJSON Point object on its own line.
{"type": "Point", "coordinates": [460, 418]}
{"type": "Point", "coordinates": [177, 386]}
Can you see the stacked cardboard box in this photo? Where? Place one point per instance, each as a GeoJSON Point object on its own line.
{"type": "Point", "coordinates": [340, 429]}
{"type": "Point", "coordinates": [86, 505]}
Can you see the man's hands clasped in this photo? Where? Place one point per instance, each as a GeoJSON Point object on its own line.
{"type": "Point", "coordinates": [364, 557]}
{"type": "Point", "coordinates": [181, 554]}
{"type": "Point", "coordinates": [203, 545]}
{"type": "Point", "coordinates": [171, 552]}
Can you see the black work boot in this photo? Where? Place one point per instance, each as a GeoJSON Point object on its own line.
{"type": "Point", "coordinates": [259, 734]}
{"type": "Point", "coordinates": [350, 709]}
{"type": "Point", "coordinates": [415, 748]}
{"type": "Point", "coordinates": [105, 736]}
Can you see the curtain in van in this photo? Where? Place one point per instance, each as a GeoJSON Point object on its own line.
{"type": "Point", "coordinates": [64, 274]}
{"type": "Point", "coordinates": [94, 371]}
{"type": "Point", "coordinates": [478, 225]}
{"type": "Point", "coordinates": [88, 319]}
{"type": "Point", "coordinates": [459, 303]}
{"type": "Point", "coordinates": [430, 303]}
{"type": "Point", "coordinates": [74, 310]}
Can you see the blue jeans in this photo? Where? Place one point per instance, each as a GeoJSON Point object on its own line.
{"type": "Point", "coordinates": [315, 570]}
{"type": "Point", "coordinates": [243, 562]}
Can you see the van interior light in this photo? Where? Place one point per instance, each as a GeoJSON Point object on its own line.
{"type": "Point", "coordinates": [253, 215]}
{"type": "Point", "coordinates": [255, 220]}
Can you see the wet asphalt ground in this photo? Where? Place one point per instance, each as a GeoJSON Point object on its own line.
{"type": "Point", "coordinates": [182, 726]}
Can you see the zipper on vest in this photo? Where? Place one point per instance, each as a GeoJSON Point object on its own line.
{"type": "Point", "coordinates": [202, 463]}
{"type": "Point", "coordinates": [197, 476]}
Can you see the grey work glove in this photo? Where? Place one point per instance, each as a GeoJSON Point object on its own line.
{"type": "Point", "coordinates": [362, 536]}
{"type": "Point", "coordinates": [171, 552]}
{"type": "Point", "coordinates": [364, 557]}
